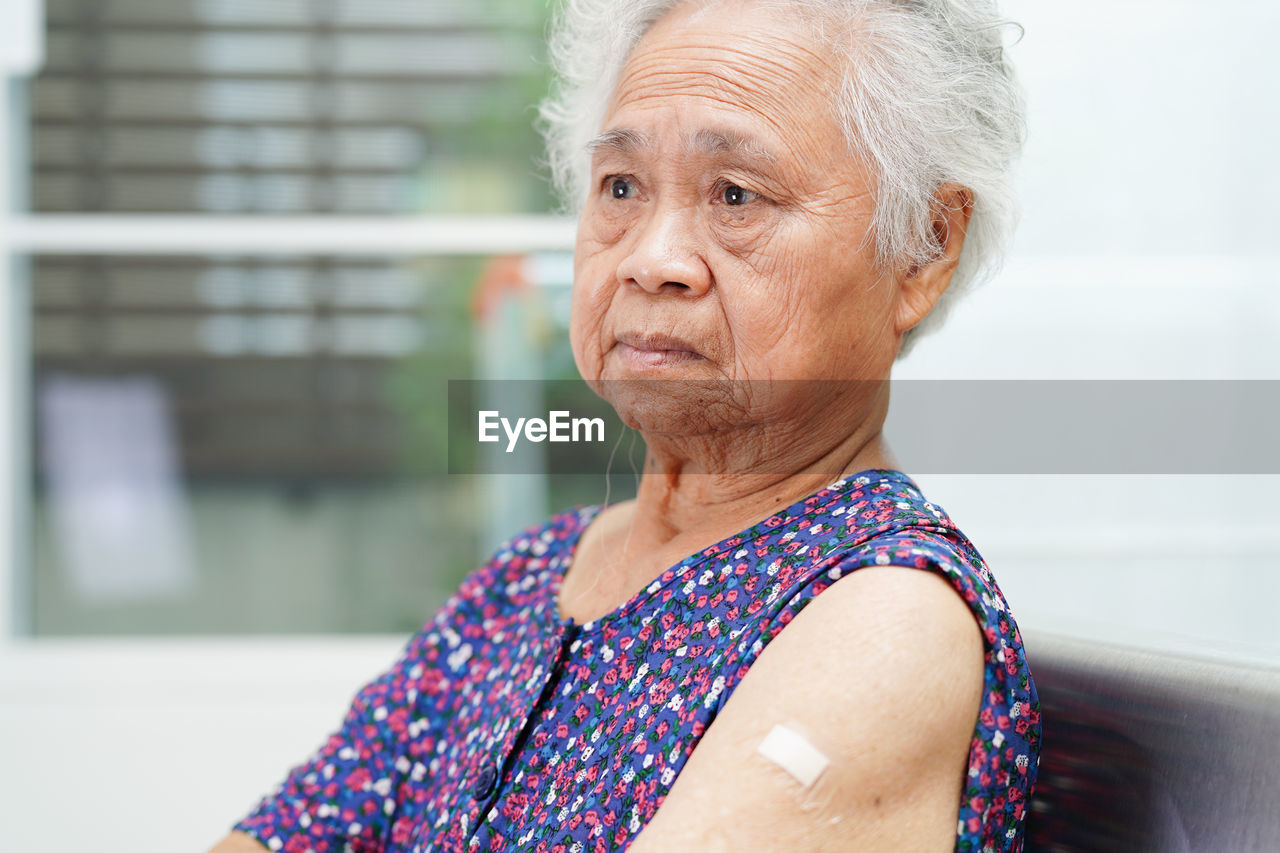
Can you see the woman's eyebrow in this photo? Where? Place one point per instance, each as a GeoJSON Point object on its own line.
{"type": "Point", "coordinates": [621, 141]}
{"type": "Point", "coordinates": [721, 142]}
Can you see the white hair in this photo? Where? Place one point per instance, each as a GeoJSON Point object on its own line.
{"type": "Point", "coordinates": [928, 97]}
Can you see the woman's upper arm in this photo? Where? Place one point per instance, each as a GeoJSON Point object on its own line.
{"type": "Point", "coordinates": [883, 673]}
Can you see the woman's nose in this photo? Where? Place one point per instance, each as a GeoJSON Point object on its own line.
{"type": "Point", "coordinates": [666, 254]}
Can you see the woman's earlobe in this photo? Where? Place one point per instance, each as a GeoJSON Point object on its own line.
{"type": "Point", "coordinates": [918, 292]}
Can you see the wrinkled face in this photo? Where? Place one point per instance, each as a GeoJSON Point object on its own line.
{"type": "Point", "coordinates": [725, 231]}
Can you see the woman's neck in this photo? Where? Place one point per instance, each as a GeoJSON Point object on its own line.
{"type": "Point", "coordinates": [678, 501]}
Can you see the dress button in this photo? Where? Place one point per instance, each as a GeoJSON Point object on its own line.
{"type": "Point", "coordinates": [484, 783]}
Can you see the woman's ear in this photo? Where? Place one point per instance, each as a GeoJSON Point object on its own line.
{"type": "Point", "coordinates": [920, 286]}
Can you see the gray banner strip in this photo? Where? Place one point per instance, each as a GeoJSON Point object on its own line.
{"type": "Point", "coordinates": [934, 426]}
{"type": "Point", "coordinates": [1086, 426]}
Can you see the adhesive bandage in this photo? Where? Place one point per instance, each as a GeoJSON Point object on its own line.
{"type": "Point", "coordinates": [791, 751]}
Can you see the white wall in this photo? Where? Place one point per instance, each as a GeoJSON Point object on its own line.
{"type": "Point", "coordinates": [147, 745]}
{"type": "Point", "coordinates": [1145, 252]}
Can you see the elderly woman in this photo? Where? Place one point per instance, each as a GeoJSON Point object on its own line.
{"type": "Point", "coordinates": [770, 192]}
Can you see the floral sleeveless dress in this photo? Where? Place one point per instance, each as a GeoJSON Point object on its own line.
{"type": "Point", "coordinates": [504, 727]}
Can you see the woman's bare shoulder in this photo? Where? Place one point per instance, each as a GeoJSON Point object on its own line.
{"type": "Point", "coordinates": [882, 674]}
{"type": "Point", "coordinates": [903, 632]}
{"type": "Point", "coordinates": [238, 842]}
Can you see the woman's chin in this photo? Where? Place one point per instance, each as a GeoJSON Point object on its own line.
{"type": "Point", "coordinates": [673, 404]}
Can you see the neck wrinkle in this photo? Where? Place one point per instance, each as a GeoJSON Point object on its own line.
{"type": "Point", "coordinates": [674, 501]}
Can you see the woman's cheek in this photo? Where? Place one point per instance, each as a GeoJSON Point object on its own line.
{"type": "Point", "coordinates": [776, 312]}
{"type": "Point", "coordinates": [591, 299]}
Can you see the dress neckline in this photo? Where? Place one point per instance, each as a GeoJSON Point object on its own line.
{"type": "Point", "coordinates": [581, 518]}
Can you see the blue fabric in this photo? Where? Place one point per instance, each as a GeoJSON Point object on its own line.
{"type": "Point", "coordinates": [505, 727]}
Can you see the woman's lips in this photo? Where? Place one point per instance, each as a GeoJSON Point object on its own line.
{"type": "Point", "coordinates": [652, 350]}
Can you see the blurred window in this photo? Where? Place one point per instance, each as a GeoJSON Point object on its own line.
{"type": "Point", "coordinates": [250, 443]}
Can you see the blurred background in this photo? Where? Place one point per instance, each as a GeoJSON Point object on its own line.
{"type": "Point", "coordinates": [291, 403]}
{"type": "Point", "coordinates": [223, 492]}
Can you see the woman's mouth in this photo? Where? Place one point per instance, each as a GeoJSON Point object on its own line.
{"type": "Point", "coordinates": [649, 351]}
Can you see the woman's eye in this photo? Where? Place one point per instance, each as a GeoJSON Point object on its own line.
{"type": "Point", "coordinates": [620, 188]}
{"type": "Point", "coordinates": [735, 195]}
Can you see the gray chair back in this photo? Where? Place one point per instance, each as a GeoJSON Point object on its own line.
{"type": "Point", "coordinates": [1147, 752]}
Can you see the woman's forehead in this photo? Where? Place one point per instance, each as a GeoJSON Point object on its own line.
{"type": "Point", "coordinates": [758, 72]}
